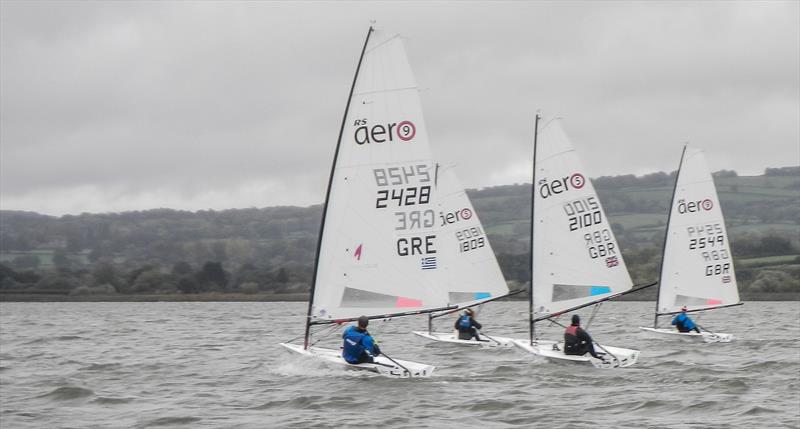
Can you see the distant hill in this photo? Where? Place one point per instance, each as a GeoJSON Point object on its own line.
{"type": "Point", "coordinates": [762, 214]}
{"type": "Point", "coordinates": [272, 249]}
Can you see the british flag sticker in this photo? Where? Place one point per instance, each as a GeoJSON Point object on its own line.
{"type": "Point", "coordinates": [726, 279]}
{"type": "Point", "coordinates": [612, 261]}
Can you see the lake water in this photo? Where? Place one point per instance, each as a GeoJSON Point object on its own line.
{"type": "Point", "coordinates": [140, 365]}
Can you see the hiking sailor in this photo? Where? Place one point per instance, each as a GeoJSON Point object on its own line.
{"type": "Point", "coordinates": [359, 346]}
{"type": "Point", "coordinates": [467, 326]}
{"type": "Point", "coordinates": [578, 342]}
{"type": "Point", "coordinates": [684, 323]}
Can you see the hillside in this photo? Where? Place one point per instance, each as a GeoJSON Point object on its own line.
{"type": "Point", "coordinates": [271, 250]}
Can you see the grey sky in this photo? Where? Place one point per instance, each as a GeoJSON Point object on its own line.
{"type": "Point", "coordinates": [111, 106]}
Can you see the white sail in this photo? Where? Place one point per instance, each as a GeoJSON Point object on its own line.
{"type": "Point", "coordinates": [400, 233]}
{"type": "Point", "coordinates": [697, 270]}
{"type": "Point", "coordinates": [576, 259]}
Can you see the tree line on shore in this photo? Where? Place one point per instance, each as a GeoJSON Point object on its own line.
{"type": "Point", "coordinates": [272, 249]}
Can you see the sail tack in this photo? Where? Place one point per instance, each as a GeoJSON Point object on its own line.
{"type": "Point", "coordinates": [576, 259]}
{"type": "Point", "coordinates": [697, 269]}
{"type": "Point", "coordinates": [400, 233]}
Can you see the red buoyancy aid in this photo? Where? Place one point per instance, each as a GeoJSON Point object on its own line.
{"type": "Point", "coordinates": [571, 341]}
{"type": "Point", "coordinates": [572, 330]}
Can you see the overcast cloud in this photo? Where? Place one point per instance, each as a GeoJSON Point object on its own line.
{"type": "Point", "coordinates": [112, 106]}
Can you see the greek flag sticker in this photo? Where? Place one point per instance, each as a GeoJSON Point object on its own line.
{"type": "Point", "coordinates": [429, 263]}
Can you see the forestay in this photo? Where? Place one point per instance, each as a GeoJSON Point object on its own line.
{"type": "Point", "coordinates": [697, 269]}
{"type": "Point", "coordinates": [576, 259]}
{"type": "Point", "coordinates": [400, 233]}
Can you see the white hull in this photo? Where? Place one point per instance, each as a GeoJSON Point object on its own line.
{"type": "Point", "coordinates": [451, 338]}
{"type": "Point", "coordinates": [692, 336]}
{"type": "Point", "coordinates": [382, 365]}
{"type": "Point", "coordinates": [616, 357]}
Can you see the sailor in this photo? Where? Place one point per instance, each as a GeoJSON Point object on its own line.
{"type": "Point", "coordinates": [467, 326]}
{"type": "Point", "coordinates": [684, 323]}
{"type": "Point", "coordinates": [577, 342]}
{"type": "Point", "coordinates": [359, 346]}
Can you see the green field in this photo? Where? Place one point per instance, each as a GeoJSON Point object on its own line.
{"type": "Point", "coordinates": [506, 228]}
{"type": "Point", "coordinates": [790, 231]}
{"type": "Point", "coordinates": [45, 256]}
{"type": "Point", "coordinates": [768, 261]}
{"type": "Point", "coordinates": [633, 221]}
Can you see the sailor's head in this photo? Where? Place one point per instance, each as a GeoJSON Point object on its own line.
{"type": "Point", "coordinates": [363, 321]}
{"type": "Point", "coordinates": [469, 312]}
{"type": "Point", "coordinates": [576, 320]}
{"type": "Point", "coordinates": [683, 309]}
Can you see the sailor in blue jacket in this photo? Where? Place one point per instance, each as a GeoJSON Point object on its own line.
{"type": "Point", "coordinates": [467, 326]}
{"type": "Point", "coordinates": [684, 323]}
{"type": "Point", "coordinates": [359, 346]}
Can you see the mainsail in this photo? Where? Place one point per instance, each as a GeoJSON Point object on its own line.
{"type": "Point", "coordinates": [576, 259]}
{"type": "Point", "coordinates": [399, 232]}
{"type": "Point", "coordinates": [697, 268]}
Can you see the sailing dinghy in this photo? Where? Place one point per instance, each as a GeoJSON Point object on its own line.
{"type": "Point", "coordinates": [397, 236]}
{"type": "Point", "coordinates": [697, 265]}
{"type": "Point", "coordinates": [472, 276]}
{"type": "Point", "coordinates": [452, 338]}
{"type": "Point", "coordinates": [486, 341]}
{"type": "Point", "coordinates": [576, 261]}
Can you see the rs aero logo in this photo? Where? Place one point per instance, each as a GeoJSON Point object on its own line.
{"type": "Point", "coordinates": [694, 206]}
{"type": "Point", "coordinates": [383, 133]}
{"type": "Point", "coordinates": [564, 184]}
{"type": "Point", "coordinates": [453, 217]}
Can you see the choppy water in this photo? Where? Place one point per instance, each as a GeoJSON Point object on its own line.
{"type": "Point", "coordinates": [110, 365]}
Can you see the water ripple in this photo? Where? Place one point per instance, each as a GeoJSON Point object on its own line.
{"type": "Point", "coordinates": [121, 365]}
{"type": "Point", "coordinates": [66, 393]}
{"type": "Point", "coordinates": [170, 421]}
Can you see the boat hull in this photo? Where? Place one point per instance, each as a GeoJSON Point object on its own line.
{"type": "Point", "coordinates": [382, 366]}
{"type": "Point", "coordinates": [618, 357]}
{"type": "Point", "coordinates": [708, 337]}
{"type": "Point", "coordinates": [451, 338]}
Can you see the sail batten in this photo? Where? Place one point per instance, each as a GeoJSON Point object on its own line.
{"type": "Point", "coordinates": [387, 90]}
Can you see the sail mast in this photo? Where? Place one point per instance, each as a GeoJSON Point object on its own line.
{"type": "Point", "coordinates": [666, 235]}
{"type": "Point", "coordinates": [533, 221]}
{"type": "Point", "coordinates": [328, 192]}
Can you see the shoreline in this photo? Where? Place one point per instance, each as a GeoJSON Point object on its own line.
{"type": "Point", "coordinates": [265, 297]}
{"type": "Point", "coordinates": [173, 297]}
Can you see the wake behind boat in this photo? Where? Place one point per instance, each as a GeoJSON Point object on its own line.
{"type": "Point", "coordinates": [697, 272]}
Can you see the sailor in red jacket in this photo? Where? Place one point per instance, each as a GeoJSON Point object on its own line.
{"type": "Point", "coordinates": [577, 341]}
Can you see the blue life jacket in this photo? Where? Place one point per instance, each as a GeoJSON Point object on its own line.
{"type": "Point", "coordinates": [464, 323]}
{"type": "Point", "coordinates": [355, 343]}
{"type": "Point", "coordinates": [684, 320]}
